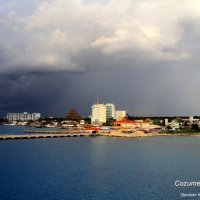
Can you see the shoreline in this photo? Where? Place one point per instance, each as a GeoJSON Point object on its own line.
{"type": "Point", "coordinates": [153, 135]}
{"type": "Point", "coordinates": [114, 133]}
{"type": "Point", "coordinates": [142, 134]}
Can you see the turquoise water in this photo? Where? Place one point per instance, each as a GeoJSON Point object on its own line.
{"type": "Point", "coordinates": [98, 168]}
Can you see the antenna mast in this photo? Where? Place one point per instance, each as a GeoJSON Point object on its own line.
{"type": "Point", "coordinates": [126, 106]}
{"type": "Point", "coordinates": [97, 98]}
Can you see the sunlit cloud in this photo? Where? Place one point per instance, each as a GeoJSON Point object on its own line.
{"type": "Point", "coordinates": [55, 33]}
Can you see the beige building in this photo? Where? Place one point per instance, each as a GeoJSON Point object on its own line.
{"type": "Point", "coordinates": [98, 114]}
{"type": "Point", "coordinates": [120, 114]}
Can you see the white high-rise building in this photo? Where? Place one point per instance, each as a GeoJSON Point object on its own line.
{"type": "Point", "coordinates": [98, 114]}
{"type": "Point", "coordinates": [23, 116]}
{"type": "Point", "coordinates": [120, 114]}
{"type": "Point", "coordinates": [110, 111]}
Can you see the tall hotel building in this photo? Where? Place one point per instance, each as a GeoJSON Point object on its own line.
{"type": "Point", "coordinates": [23, 116]}
{"type": "Point", "coordinates": [98, 114]}
{"type": "Point", "coordinates": [101, 113]}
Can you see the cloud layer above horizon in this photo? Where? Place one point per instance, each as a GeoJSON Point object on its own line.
{"type": "Point", "coordinates": [79, 36]}
{"type": "Point", "coordinates": [146, 51]}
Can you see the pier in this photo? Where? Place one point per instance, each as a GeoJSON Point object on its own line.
{"type": "Point", "coordinates": [44, 135]}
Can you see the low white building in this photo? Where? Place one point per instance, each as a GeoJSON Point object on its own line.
{"type": "Point", "coordinates": [120, 114]}
{"type": "Point", "coordinates": [190, 121]}
{"type": "Point", "coordinates": [174, 125]}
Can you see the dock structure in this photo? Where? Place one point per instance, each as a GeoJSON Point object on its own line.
{"type": "Point", "coordinates": [44, 135]}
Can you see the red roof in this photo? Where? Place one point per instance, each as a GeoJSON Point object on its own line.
{"type": "Point", "coordinates": [124, 122]}
{"type": "Point", "coordinates": [93, 129]}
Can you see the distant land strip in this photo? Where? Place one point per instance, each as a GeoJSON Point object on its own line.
{"type": "Point", "coordinates": [31, 134]}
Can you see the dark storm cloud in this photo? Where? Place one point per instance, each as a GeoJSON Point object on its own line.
{"type": "Point", "coordinates": [56, 55]}
{"type": "Point", "coordinates": [147, 92]}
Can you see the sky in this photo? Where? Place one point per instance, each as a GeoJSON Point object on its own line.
{"type": "Point", "coordinates": [56, 55]}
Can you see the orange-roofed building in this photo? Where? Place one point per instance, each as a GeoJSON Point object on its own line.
{"type": "Point", "coordinates": [126, 124]}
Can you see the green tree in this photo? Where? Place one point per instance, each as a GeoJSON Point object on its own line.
{"type": "Point", "coordinates": [110, 121]}
{"type": "Point", "coordinates": [87, 120]}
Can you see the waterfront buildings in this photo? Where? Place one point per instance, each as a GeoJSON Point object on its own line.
{"type": "Point", "coordinates": [23, 116]}
{"type": "Point", "coordinates": [190, 121]}
{"type": "Point", "coordinates": [102, 113]}
{"type": "Point", "coordinates": [173, 125]}
{"type": "Point", "coordinates": [120, 114]}
{"type": "Point", "coordinates": [135, 125]}
{"type": "Point", "coordinates": [110, 111]}
{"type": "Point", "coordinates": [178, 122]}
{"type": "Point", "coordinates": [124, 124]}
{"type": "Point", "coordinates": [98, 114]}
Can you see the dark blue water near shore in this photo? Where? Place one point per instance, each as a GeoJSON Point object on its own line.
{"type": "Point", "coordinates": [98, 168]}
{"type": "Point", "coordinates": [18, 130]}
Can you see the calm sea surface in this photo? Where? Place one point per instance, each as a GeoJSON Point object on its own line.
{"type": "Point", "coordinates": [98, 168]}
{"type": "Point", "coordinates": [17, 130]}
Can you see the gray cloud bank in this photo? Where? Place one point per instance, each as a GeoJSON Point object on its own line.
{"type": "Point", "coordinates": [62, 35]}
{"type": "Point", "coordinates": [146, 51]}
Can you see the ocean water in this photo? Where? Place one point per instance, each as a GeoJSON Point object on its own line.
{"type": "Point", "coordinates": [98, 168]}
{"type": "Point", "coordinates": [18, 130]}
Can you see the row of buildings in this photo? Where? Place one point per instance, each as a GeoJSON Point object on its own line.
{"type": "Point", "coordinates": [25, 116]}
{"type": "Point", "coordinates": [178, 123]}
{"type": "Point", "coordinates": [102, 113]}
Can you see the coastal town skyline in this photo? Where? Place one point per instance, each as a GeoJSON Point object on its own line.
{"type": "Point", "coordinates": [56, 55]}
